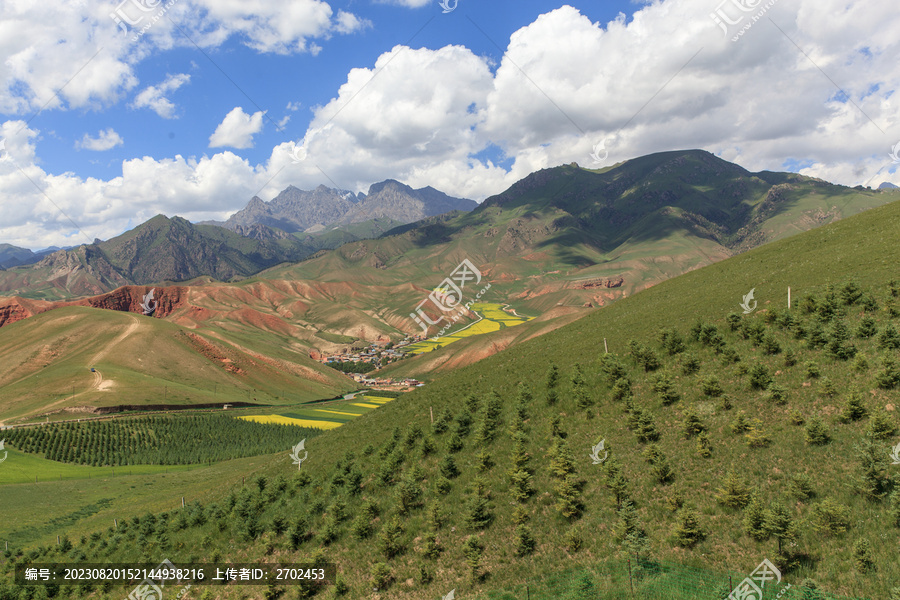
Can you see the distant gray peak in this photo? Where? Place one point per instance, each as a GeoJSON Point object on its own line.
{"type": "Point", "coordinates": [295, 210]}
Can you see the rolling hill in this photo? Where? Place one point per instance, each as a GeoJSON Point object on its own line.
{"type": "Point", "coordinates": [139, 360]}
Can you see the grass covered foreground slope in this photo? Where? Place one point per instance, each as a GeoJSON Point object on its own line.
{"type": "Point", "coordinates": [731, 439]}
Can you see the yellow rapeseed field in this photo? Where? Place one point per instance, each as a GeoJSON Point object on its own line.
{"type": "Point", "coordinates": [278, 419]}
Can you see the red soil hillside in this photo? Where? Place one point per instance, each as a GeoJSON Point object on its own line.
{"type": "Point", "coordinates": [126, 299]}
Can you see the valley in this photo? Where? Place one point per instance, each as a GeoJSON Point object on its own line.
{"type": "Point", "coordinates": [440, 299]}
{"type": "Point", "coordinates": [579, 333]}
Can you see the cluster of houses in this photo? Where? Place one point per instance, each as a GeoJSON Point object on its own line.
{"type": "Point", "coordinates": [376, 354]}
{"type": "Point", "coordinates": [386, 383]}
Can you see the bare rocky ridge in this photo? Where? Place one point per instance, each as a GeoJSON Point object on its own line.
{"type": "Point", "coordinates": [296, 210]}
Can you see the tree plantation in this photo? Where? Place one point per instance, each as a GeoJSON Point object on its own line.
{"type": "Point", "coordinates": [157, 440]}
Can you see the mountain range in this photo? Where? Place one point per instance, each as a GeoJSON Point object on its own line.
{"type": "Point", "coordinates": [161, 249]}
{"type": "Point", "coordinates": [568, 235]}
{"type": "Point", "coordinates": [555, 245]}
{"type": "Point", "coordinates": [13, 256]}
{"type": "Point", "coordinates": [556, 233]}
{"type": "Point", "coordinates": [293, 226]}
{"type": "Point", "coordinates": [296, 210]}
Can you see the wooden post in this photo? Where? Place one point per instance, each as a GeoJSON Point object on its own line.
{"type": "Point", "coordinates": [789, 297]}
{"type": "Point", "coordinates": [630, 581]}
{"type": "Point", "coordinates": [57, 540]}
{"type": "Point", "coordinates": [431, 410]}
{"type": "Point", "coordinates": [527, 593]}
{"type": "Point", "coordinates": [605, 348]}
{"type": "Point", "coordinates": [182, 502]}
{"type": "Point", "coordinates": [117, 523]}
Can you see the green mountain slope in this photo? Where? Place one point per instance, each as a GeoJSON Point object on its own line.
{"type": "Point", "coordinates": [570, 235]}
{"type": "Point", "coordinates": [393, 488]}
{"type": "Point", "coordinates": [161, 249]}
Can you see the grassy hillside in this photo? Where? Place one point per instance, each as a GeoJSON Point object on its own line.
{"type": "Point", "coordinates": [77, 500]}
{"type": "Point", "coordinates": [503, 481]}
{"type": "Point", "coordinates": [142, 360]}
{"type": "Point", "coordinates": [337, 235]}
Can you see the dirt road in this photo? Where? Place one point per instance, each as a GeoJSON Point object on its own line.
{"type": "Point", "coordinates": [97, 375]}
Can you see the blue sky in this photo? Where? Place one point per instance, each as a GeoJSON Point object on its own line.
{"type": "Point", "coordinates": [270, 82]}
{"type": "Point", "coordinates": [219, 100]}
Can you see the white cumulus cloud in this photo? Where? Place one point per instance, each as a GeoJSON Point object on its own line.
{"type": "Point", "coordinates": [71, 54]}
{"type": "Point", "coordinates": [661, 79]}
{"type": "Point", "coordinates": [237, 129]}
{"type": "Point", "coordinates": [346, 22]}
{"type": "Point", "coordinates": [155, 98]}
{"type": "Point", "coordinates": [105, 140]}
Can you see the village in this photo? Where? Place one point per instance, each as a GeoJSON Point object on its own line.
{"type": "Point", "coordinates": [359, 364]}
